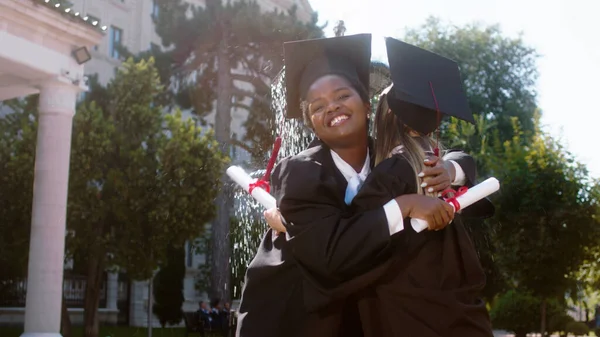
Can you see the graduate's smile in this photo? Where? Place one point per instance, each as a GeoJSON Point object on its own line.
{"type": "Point", "coordinates": [338, 119]}
{"type": "Point", "coordinates": [336, 111]}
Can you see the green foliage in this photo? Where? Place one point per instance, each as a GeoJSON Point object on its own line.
{"type": "Point", "coordinates": [578, 328]}
{"type": "Point", "coordinates": [546, 215]}
{"type": "Point", "coordinates": [558, 323]}
{"type": "Point", "coordinates": [168, 288]}
{"type": "Point", "coordinates": [225, 55]}
{"type": "Point", "coordinates": [202, 245]}
{"type": "Point", "coordinates": [140, 180]}
{"type": "Point", "coordinates": [519, 312]}
{"type": "Point", "coordinates": [499, 73]}
{"type": "Point", "coordinates": [546, 211]}
{"type": "Point", "coordinates": [254, 39]}
{"type": "Point", "coordinates": [18, 134]}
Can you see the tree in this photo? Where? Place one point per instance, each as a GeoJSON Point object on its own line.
{"type": "Point", "coordinates": [546, 213]}
{"type": "Point", "coordinates": [168, 288]}
{"type": "Point", "coordinates": [499, 73]}
{"type": "Point", "coordinates": [18, 136]}
{"type": "Point", "coordinates": [140, 181]}
{"type": "Point", "coordinates": [517, 311]}
{"type": "Point", "coordinates": [226, 55]}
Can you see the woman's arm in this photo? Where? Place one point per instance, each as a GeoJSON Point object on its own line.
{"type": "Point", "coordinates": [327, 241]}
{"type": "Point", "coordinates": [334, 244]}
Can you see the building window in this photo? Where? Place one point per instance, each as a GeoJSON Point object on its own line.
{"type": "Point", "coordinates": [82, 96]}
{"type": "Point", "coordinates": [116, 38]}
{"type": "Point", "coordinates": [155, 9]}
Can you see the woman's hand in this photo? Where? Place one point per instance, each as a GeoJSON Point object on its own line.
{"type": "Point", "coordinates": [438, 175]}
{"type": "Point", "coordinates": [436, 212]}
{"type": "Point", "coordinates": [273, 218]}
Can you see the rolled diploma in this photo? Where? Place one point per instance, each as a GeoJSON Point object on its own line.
{"type": "Point", "coordinates": [242, 178]}
{"type": "Point", "coordinates": [473, 195]}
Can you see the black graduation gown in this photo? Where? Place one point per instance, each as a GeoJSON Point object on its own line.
{"type": "Point", "coordinates": [289, 277]}
{"type": "Point", "coordinates": [431, 283]}
{"type": "Point", "coordinates": [303, 283]}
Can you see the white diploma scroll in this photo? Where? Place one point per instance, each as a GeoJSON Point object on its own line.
{"type": "Point", "coordinates": [470, 197]}
{"type": "Point", "coordinates": [242, 178]}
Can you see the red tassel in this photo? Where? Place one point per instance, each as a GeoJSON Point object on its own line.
{"type": "Point", "coordinates": [436, 151]}
{"type": "Point", "coordinates": [264, 181]}
{"type": "Point", "coordinates": [273, 158]}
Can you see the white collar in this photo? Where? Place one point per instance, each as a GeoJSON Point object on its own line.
{"type": "Point", "coordinates": [348, 171]}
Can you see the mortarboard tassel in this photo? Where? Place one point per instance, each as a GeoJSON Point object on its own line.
{"type": "Point", "coordinates": [264, 181]}
{"type": "Point", "coordinates": [436, 151]}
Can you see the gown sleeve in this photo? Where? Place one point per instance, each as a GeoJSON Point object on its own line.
{"type": "Point", "coordinates": [466, 162]}
{"type": "Point", "coordinates": [330, 243]}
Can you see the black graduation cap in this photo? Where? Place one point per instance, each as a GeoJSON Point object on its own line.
{"type": "Point", "coordinates": [308, 60]}
{"type": "Point", "coordinates": [424, 83]}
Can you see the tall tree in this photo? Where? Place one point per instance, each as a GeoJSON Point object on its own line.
{"type": "Point", "coordinates": [168, 288]}
{"type": "Point", "coordinates": [140, 181]}
{"type": "Point", "coordinates": [226, 54]}
{"type": "Point", "coordinates": [546, 211]}
{"type": "Point", "coordinates": [499, 73]}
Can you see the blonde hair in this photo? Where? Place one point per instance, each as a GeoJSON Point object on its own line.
{"type": "Point", "coordinates": [390, 132]}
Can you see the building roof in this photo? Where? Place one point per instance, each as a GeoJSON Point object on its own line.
{"type": "Point", "coordinates": [64, 8]}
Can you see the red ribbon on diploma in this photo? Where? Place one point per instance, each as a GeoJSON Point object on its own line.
{"type": "Point", "coordinates": [452, 200]}
{"type": "Point", "coordinates": [264, 181]}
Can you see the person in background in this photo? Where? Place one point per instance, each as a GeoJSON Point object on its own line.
{"type": "Point", "coordinates": [215, 314]}
{"type": "Point", "coordinates": [204, 315]}
{"type": "Point", "coordinates": [225, 318]}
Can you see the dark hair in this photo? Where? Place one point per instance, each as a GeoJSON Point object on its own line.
{"type": "Point", "coordinates": [354, 84]}
{"type": "Point", "coordinates": [215, 302]}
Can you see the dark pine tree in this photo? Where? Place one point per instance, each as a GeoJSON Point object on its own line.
{"type": "Point", "coordinates": [225, 55]}
{"type": "Point", "coordinates": [168, 288]}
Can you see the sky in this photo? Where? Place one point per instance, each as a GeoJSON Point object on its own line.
{"type": "Point", "coordinates": [564, 33]}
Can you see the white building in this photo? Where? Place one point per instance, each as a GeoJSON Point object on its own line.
{"type": "Point", "coordinates": [29, 56]}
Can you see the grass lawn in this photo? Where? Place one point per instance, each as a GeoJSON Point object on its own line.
{"type": "Point", "coordinates": [112, 331]}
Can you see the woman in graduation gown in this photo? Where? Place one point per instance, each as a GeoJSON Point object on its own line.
{"type": "Point", "coordinates": [432, 283]}
{"type": "Point", "coordinates": [300, 283]}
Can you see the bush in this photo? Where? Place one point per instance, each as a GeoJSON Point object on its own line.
{"type": "Point", "coordinates": [519, 312]}
{"type": "Point", "coordinates": [516, 311]}
{"type": "Point", "coordinates": [578, 328]}
{"type": "Point", "coordinates": [558, 323]}
{"type": "Point", "coordinates": [597, 332]}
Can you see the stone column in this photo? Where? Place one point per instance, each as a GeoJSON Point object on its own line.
{"type": "Point", "coordinates": [112, 291]}
{"type": "Point", "coordinates": [51, 180]}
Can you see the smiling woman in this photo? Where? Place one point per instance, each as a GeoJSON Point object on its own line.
{"type": "Point", "coordinates": [337, 111]}
{"type": "Point", "coordinates": [302, 280]}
